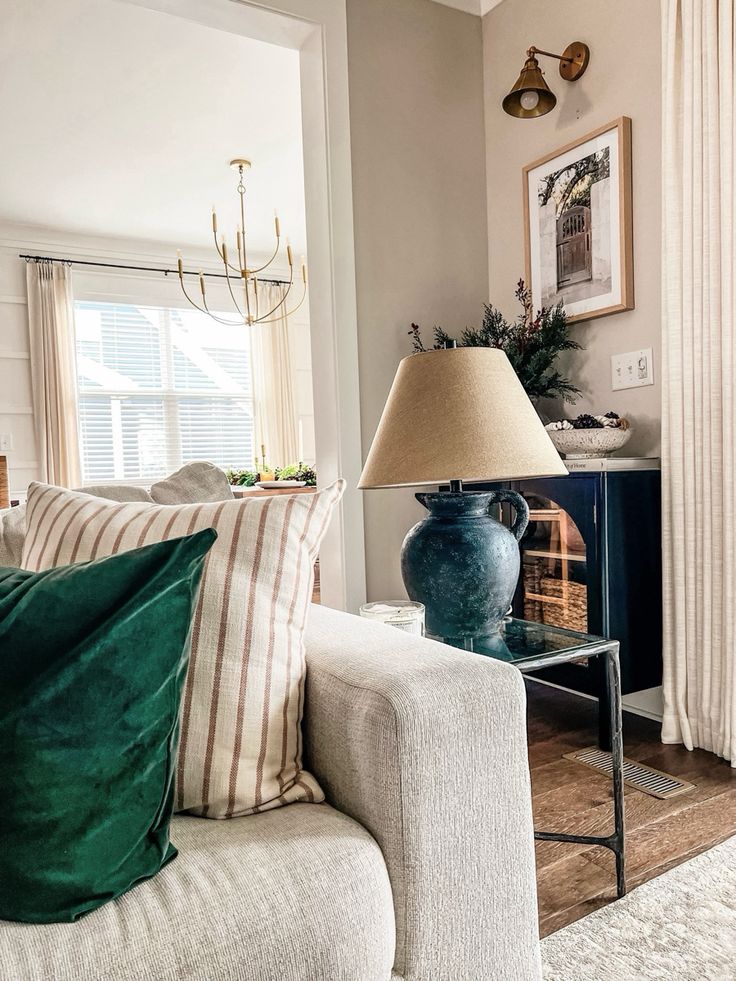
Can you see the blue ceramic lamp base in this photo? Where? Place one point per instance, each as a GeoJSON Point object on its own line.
{"type": "Point", "coordinates": [462, 563]}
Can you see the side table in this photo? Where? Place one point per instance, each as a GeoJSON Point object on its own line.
{"type": "Point", "coordinates": [529, 646]}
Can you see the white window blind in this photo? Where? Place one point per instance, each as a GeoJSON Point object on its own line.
{"type": "Point", "coordinates": [158, 387]}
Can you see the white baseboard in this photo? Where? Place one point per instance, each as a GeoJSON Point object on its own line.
{"type": "Point", "coordinates": [647, 703]}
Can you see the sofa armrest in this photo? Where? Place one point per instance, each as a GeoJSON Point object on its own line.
{"type": "Point", "coordinates": [425, 746]}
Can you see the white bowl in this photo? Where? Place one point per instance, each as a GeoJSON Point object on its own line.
{"type": "Point", "coordinates": [587, 444]}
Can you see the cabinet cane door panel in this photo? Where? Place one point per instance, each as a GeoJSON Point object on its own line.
{"type": "Point", "coordinates": [560, 579]}
{"type": "Point", "coordinates": [554, 567]}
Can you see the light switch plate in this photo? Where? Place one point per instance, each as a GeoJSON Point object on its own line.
{"type": "Point", "coordinates": [6, 443]}
{"type": "Point", "coordinates": [632, 370]}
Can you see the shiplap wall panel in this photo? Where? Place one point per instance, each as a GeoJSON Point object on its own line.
{"type": "Point", "coordinates": [16, 414]}
{"type": "Point", "coordinates": [15, 380]}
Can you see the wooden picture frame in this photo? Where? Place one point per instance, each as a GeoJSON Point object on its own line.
{"type": "Point", "coordinates": [578, 237]}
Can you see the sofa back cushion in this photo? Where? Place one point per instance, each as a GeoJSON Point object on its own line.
{"type": "Point", "coordinates": [12, 533]}
{"type": "Point", "coordinates": [117, 492]}
{"type": "Point", "coordinates": [13, 520]}
{"type": "Point", "coordinates": [240, 749]}
{"type": "Point", "coordinates": [195, 482]}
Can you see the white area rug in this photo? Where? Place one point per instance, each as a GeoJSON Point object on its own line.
{"type": "Point", "coordinates": [680, 926]}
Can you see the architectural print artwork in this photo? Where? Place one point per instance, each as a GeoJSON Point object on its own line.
{"type": "Point", "coordinates": [577, 206]}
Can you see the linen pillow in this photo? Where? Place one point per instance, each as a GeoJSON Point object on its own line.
{"type": "Point", "coordinates": [194, 483]}
{"type": "Point", "coordinates": [88, 727]}
{"type": "Point", "coordinates": [241, 747]}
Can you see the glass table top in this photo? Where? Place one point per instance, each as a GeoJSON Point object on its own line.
{"type": "Point", "coordinates": [518, 641]}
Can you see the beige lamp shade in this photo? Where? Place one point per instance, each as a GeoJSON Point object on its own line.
{"type": "Point", "coordinates": [458, 414]}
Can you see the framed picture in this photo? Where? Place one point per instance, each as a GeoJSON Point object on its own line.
{"type": "Point", "coordinates": [577, 213]}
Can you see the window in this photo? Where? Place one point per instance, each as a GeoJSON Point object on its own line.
{"type": "Point", "coordinates": [158, 387]}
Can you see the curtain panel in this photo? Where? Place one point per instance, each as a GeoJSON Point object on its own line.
{"type": "Point", "coordinates": [53, 371]}
{"type": "Point", "coordinates": [698, 420]}
{"type": "Point", "coordinates": [273, 382]}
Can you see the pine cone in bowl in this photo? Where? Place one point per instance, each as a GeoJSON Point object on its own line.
{"type": "Point", "coordinates": [586, 421]}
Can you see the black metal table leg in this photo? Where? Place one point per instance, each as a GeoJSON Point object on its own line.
{"type": "Point", "coordinates": [613, 679]}
{"type": "Point", "coordinates": [604, 704]}
{"type": "Point", "coordinates": [610, 709]}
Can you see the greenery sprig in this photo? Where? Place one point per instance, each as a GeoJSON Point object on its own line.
{"type": "Point", "coordinates": [532, 343]}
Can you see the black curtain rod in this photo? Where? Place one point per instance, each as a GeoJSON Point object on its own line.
{"type": "Point", "coordinates": [116, 265]}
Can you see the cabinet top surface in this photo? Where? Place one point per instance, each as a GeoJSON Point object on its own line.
{"type": "Point", "coordinates": [611, 464]}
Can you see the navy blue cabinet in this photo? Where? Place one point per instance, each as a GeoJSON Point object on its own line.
{"type": "Point", "coordinates": [591, 561]}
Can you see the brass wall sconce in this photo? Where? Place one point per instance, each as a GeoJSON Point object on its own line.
{"type": "Point", "coordinates": [531, 96]}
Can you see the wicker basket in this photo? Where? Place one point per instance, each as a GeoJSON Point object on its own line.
{"type": "Point", "coordinates": [573, 615]}
{"type": "Point", "coordinates": [533, 608]}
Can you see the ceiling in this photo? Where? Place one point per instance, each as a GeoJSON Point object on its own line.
{"type": "Point", "coordinates": [120, 121]}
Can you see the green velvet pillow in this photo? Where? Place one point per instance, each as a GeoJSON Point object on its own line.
{"type": "Point", "coordinates": [93, 659]}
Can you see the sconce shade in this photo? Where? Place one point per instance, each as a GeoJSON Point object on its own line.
{"type": "Point", "coordinates": [528, 85]}
{"type": "Point", "coordinates": [458, 414]}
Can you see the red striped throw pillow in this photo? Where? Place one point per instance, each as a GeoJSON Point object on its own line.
{"type": "Point", "coordinates": [240, 750]}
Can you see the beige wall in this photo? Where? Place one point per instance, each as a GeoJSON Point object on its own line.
{"type": "Point", "coordinates": [418, 145]}
{"type": "Point", "coordinates": [622, 80]}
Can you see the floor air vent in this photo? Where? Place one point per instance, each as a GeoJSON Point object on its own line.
{"type": "Point", "coordinates": [636, 775]}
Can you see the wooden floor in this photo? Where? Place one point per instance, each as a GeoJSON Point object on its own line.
{"type": "Point", "coordinates": [573, 880]}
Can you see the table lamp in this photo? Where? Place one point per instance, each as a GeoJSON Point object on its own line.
{"type": "Point", "coordinates": [454, 415]}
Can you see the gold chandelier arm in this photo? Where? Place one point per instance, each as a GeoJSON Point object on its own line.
{"type": "Point", "coordinates": [232, 293]}
{"type": "Point", "coordinates": [267, 264]}
{"type": "Point", "coordinates": [222, 255]}
{"type": "Point", "coordinates": [204, 308]}
{"type": "Point", "coordinates": [188, 297]}
{"type": "Point", "coordinates": [246, 316]}
{"type": "Point", "coordinates": [220, 320]}
{"type": "Point", "coordinates": [281, 302]}
{"type": "Point", "coordinates": [287, 313]}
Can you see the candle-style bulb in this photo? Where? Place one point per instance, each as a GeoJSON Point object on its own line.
{"type": "Point", "coordinates": [277, 224]}
{"type": "Point", "coordinates": [201, 282]}
{"type": "Point", "coordinates": [289, 255]}
{"type": "Point", "coordinates": [224, 249]}
{"type": "Point", "coordinates": [214, 219]}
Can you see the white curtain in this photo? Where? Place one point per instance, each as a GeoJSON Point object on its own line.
{"type": "Point", "coordinates": [53, 371]}
{"type": "Point", "coordinates": [699, 424]}
{"type": "Point", "coordinates": [273, 383]}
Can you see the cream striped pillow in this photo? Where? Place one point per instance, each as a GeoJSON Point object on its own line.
{"type": "Point", "coordinates": [240, 749]}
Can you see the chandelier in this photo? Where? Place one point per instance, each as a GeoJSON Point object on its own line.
{"type": "Point", "coordinates": [242, 280]}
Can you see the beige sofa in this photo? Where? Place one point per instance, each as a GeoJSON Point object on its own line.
{"type": "Point", "coordinates": [420, 867]}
